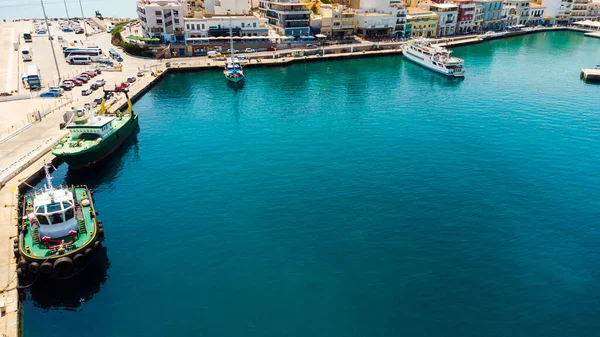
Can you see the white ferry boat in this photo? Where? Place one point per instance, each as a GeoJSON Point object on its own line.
{"type": "Point", "coordinates": [436, 58]}
{"type": "Point", "coordinates": [492, 35]}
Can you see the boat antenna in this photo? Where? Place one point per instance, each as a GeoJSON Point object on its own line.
{"type": "Point", "coordinates": [48, 176]}
{"type": "Point", "coordinates": [230, 34]}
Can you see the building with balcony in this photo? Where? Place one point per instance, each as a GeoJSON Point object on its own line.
{"type": "Point", "coordinates": [519, 12]}
{"type": "Point", "coordinates": [466, 16]}
{"type": "Point", "coordinates": [218, 26]}
{"type": "Point", "coordinates": [336, 21]}
{"type": "Point", "coordinates": [163, 19]}
{"type": "Point", "coordinates": [421, 23]}
{"type": "Point", "coordinates": [593, 10]}
{"type": "Point", "coordinates": [375, 18]}
{"type": "Point", "coordinates": [559, 10]}
{"type": "Point", "coordinates": [221, 7]}
{"type": "Point", "coordinates": [400, 29]}
{"type": "Point", "coordinates": [478, 17]}
{"type": "Point", "coordinates": [447, 14]}
{"type": "Point", "coordinates": [492, 14]}
{"type": "Point", "coordinates": [536, 14]}
{"type": "Point", "coordinates": [290, 18]}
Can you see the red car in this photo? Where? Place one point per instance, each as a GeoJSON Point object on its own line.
{"type": "Point", "coordinates": [271, 48]}
{"type": "Point", "coordinates": [76, 82]}
{"type": "Point", "coordinates": [90, 73]}
{"type": "Point", "coordinates": [96, 71]}
{"type": "Point", "coordinates": [121, 87]}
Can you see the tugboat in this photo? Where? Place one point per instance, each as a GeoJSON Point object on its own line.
{"type": "Point", "coordinates": [94, 137]}
{"type": "Point", "coordinates": [59, 233]}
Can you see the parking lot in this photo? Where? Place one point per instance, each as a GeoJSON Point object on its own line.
{"type": "Point", "coordinates": [12, 66]}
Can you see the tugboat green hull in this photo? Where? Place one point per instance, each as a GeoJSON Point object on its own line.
{"type": "Point", "coordinates": [100, 151]}
{"type": "Point", "coordinates": [64, 256]}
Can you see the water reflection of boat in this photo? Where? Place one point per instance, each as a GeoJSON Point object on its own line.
{"type": "Point", "coordinates": [105, 171]}
{"type": "Point", "coordinates": [71, 293]}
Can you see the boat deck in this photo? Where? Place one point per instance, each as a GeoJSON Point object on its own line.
{"type": "Point", "coordinates": [68, 145]}
{"type": "Point", "coordinates": [85, 230]}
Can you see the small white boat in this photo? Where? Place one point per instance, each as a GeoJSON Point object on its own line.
{"type": "Point", "coordinates": [436, 58]}
{"type": "Point", "coordinates": [233, 70]}
{"type": "Point", "coordinates": [491, 35]}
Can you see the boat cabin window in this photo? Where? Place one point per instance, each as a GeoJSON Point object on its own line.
{"type": "Point", "coordinates": [69, 214]}
{"type": "Point", "coordinates": [51, 208]}
{"type": "Point", "coordinates": [42, 220]}
{"type": "Point", "coordinates": [56, 218]}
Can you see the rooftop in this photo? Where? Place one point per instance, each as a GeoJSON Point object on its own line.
{"type": "Point", "coordinates": [534, 5]}
{"type": "Point", "coordinates": [413, 10]}
{"type": "Point", "coordinates": [444, 5]}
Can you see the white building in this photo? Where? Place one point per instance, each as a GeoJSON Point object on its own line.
{"type": "Point", "coordinates": [375, 18]}
{"type": "Point", "coordinates": [448, 16]}
{"type": "Point", "coordinates": [288, 17]}
{"type": "Point", "coordinates": [518, 12]}
{"type": "Point", "coordinates": [218, 26]}
{"type": "Point", "coordinates": [220, 7]}
{"type": "Point", "coordinates": [336, 21]}
{"type": "Point", "coordinates": [401, 16]}
{"type": "Point", "coordinates": [163, 19]}
{"type": "Point", "coordinates": [536, 14]}
{"type": "Point", "coordinates": [559, 10]}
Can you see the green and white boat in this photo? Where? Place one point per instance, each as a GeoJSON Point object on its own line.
{"type": "Point", "coordinates": [93, 137]}
{"type": "Point", "coordinates": [59, 233]}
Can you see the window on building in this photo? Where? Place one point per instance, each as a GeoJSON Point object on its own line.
{"type": "Point", "coordinates": [187, 26]}
{"type": "Point", "coordinates": [202, 26]}
{"type": "Point", "coordinates": [158, 13]}
{"type": "Point", "coordinates": [176, 20]}
{"type": "Point", "coordinates": [175, 12]}
{"type": "Point", "coordinates": [254, 24]}
{"type": "Point", "coordinates": [159, 21]}
{"type": "Point", "coordinates": [243, 25]}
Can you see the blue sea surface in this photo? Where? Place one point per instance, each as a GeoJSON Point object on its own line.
{"type": "Point", "coordinates": [352, 198]}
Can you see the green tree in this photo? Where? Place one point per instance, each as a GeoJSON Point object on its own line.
{"type": "Point", "coordinates": [314, 8]}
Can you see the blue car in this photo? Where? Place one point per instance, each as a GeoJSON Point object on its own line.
{"type": "Point", "coordinates": [50, 94]}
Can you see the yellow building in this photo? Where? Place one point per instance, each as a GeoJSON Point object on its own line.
{"type": "Point", "coordinates": [421, 23]}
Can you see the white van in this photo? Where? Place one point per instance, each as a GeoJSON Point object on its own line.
{"type": "Point", "coordinates": [213, 53]}
{"type": "Point", "coordinates": [26, 53]}
{"type": "Point", "coordinates": [79, 59]}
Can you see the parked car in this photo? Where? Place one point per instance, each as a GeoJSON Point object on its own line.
{"type": "Point", "coordinates": [68, 84]}
{"type": "Point", "coordinates": [131, 79]}
{"type": "Point", "coordinates": [234, 50]}
{"type": "Point", "coordinates": [94, 86]}
{"type": "Point", "coordinates": [105, 60]}
{"type": "Point", "coordinates": [86, 92]}
{"type": "Point", "coordinates": [56, 88]}
{"type": "Point", "coordinates": [90, 73]}
{"type": "Point", "coordinates": [83, 79]}
{"type": "Point", "coordinates": [249, 50]}
{"type": "Point", "coordinates": [79, 31]}
{"type": "Point", "coordinates": [110, 30]}
{"type": "Point", "coordinates": [100, 82]}
{"type": "Point", "coordinates": [311, 46]}
{"type": "Point", "coordinates": [76, 82]}
{"type": "Point", "coordinates": [50, 93]}
{"type": "Point", "coordinates": [271, 48]}
{"type": "Point", "coordinates": [60, 39]}
{"type": "Point", "coordinates": [140, 74]}
{"type": "Point", "coordinates": [121, 86]}
{"type": "Point", "coordinates": [98, 100]}
{"type": "Point", "coordinates": [98, 71]}
{"type": "Point", "coordinates": [84, 75]}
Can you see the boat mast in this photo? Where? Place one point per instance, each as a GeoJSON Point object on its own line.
{"type": "Point", "coordinates": [48, 176]}
{"type": "Point", "coordinates": [230, 34]}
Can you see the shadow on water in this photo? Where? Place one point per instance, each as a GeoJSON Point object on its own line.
{"type": "Point", "coordinates": [107, 170]}
{"type": "Point", "coordinates": [236, 86]}
{"type": "Point", "coordinates": [69, 294]}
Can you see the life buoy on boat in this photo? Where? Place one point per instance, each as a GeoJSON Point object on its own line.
{"type": "Point", "coordinates": [85, 202]}
{"type": "Point", "coordinates": [63, 265]}
{"type": "Point", "coordinates": [34, 268]}
{"type": "Point", "coordinates": [46, 268]}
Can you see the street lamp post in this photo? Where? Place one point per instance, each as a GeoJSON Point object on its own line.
{"type": "Point", "coordinates": [50, 38]}
{"type": "Point", "coordinates": [66, 9]}
{"type": "Point", "coordinates": [83, 19]}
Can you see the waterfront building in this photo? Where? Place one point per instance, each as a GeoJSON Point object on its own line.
{"type": "Point", "coordinates": [593, 10]}
{"type": "Point", "coordinates": [536, 14]}
{"type": "Point", "coordinates": [466, 16]}
{"type": "Point", "coordinates": [374, 18]}
{"type": "Point", "coordinates": [447, 14]}
{"type": "Point", "coordinates": [163, 19]}
{"type": "Point", "coordinates": [218, 26]}
{"type": "Point", "coordinates": [336, 21]}
{"type": "Point", "coordinates": [559, 10]}
{"type": "Point", "coordinates": [518, 12]}
{"type": "Point", "coordinates": [288, 17]}
{"type": "Point", "coordinates": [400, 29]}
{"type": "Point", "coordinates": [492, 14]}
{"type": "Point", "coordinates": [222, 7]}
{"type": "Point", "coordinates": [478, 16]}
{"type": "Point", "coordinates": [579, 10]}
{"type": "Point", "coordinates": [421, 23]}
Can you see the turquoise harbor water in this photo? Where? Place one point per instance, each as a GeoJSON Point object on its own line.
{"type": "Point", "coordinates": [352, 198]}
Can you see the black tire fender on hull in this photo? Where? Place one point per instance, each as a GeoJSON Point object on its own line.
{"type": "Point", "coordinates": [34, 268]}
{"type": "Point", "coordinates": [46, 268]}
{"type": "Point", "coordinates": [79, 260]}
{"type": "Point", "coordinates": [63, 266]}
